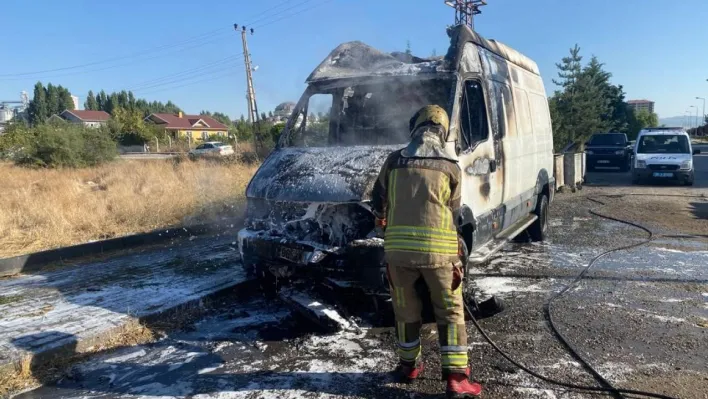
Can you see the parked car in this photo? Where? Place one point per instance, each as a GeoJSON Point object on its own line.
{"type": "Point", "coordinates": [608, 149]}
{"type": "Point", "coordinates": [212, 148]}
{"type": "Point", "coordinates": [663, 154]}
{"type": "Point", "coordinates": [308, 205]}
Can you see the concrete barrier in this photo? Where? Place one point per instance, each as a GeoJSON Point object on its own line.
{"type": "Point", "coordinates": [558, 171]}
{"type": "Point", "coordinates": [573, 170]}
{"type": "Point", "coordinates": [36, 262]}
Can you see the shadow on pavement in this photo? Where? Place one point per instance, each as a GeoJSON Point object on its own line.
{"type": "Point", "coordinates": [699, 209]}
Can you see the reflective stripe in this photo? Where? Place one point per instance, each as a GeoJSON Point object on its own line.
{"type": "Point", "coordinates": [421, 244]}
{"type": "Point", "coordinates": [428, 230]}
{"type": "Point", "coordinates": [401, 331]}
{"type": "Point", "coordinates": [452, 335]}
{"type": "Point", "coordinates": [392, 195]}
{"type": "Point", "coordinates": [447, 299]}
{"type": "Point", "coordinates": [444, 192]}
{"type": "Point", "coordinates": [409, 354]}
{"type": "Point", "coordinates": [453, 349]}
{"type": "Point", "coordinates": [408, 345]}
{"type": "Point", "coordinates": [403, 245]}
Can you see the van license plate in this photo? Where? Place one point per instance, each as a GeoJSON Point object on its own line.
{"type": "Point", "coordinates": [291, 254]}
{"type": "Point", "coordinates": [663, 174]}
{"type": "Point", "coordinates": [603, 161]}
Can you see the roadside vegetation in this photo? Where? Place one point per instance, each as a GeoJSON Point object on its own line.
{"type": "Point", "coordinates": [49, 208]}
{"type": "Point", "coordinates": [586, 102]}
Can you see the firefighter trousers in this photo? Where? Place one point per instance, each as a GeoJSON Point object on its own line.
{"type": "Point", "coordinates": [446, 297]}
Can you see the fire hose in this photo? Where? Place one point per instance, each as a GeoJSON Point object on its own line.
{"type": "Point", "coordinates": [548, 310]}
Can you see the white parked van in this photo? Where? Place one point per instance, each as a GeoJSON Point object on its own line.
{"type": "Point", "coordinates": [663, 154]}
{"type": "Point", "coordinates": [308, 203]}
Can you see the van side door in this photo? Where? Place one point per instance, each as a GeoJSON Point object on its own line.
{"type": "Point", "coordinates": [482, 178]}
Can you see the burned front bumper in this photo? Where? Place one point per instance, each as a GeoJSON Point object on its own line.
{"type": "Point", "coordinates": [360, 262]}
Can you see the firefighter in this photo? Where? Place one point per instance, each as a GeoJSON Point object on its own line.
{"type": "Point", "coordinates": [414, 199]}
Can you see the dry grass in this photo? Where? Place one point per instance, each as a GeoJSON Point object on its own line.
{"type": "Point", "coordinates": [43, 209]}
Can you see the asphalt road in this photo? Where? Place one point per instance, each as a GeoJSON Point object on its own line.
{"type": "Point", "coordinates": [640, 316]}
{"type": "Point", "coordinates": [147, 156]}
{"type": "Point", "coordinates": [613, 177]}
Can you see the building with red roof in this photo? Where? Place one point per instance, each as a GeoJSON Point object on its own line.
{"type": "Point", "coordinates": [191, 127]}
{"type": "Point", "coordinates": [87, 118]}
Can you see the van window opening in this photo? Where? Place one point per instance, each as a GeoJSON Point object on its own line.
{"type": "Point", "coordinates": [663, 144]}
{"type": "Point", "coordinates": [473, 116]}
{"type": "Point", "coordinates": [365, 114]}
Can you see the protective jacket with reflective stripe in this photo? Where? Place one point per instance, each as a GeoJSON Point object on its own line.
{"type": "Point", "coordinates": [418, 197]}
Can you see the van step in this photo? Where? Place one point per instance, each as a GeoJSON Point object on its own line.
{"type": "Point", "coordinates": [483, 253]}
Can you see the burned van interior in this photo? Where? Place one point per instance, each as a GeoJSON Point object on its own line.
{"type": "Point", "coordinates": [365, 113]}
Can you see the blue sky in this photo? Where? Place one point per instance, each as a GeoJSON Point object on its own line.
{"type": "Point", "coordinates": [187, 51]}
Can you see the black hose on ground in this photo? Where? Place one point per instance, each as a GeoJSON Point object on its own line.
{"type": "Point", "coordinates": [608, 388]}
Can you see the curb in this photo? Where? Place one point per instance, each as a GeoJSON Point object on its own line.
{"type": "Point", "coordinates": [36, 262]}
{"type": "Point", "coordinates": [75, 351]}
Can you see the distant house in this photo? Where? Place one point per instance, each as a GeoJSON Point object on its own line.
{"type": "Point", "coordinates": [87, 118]}
{"type": "Point", "coordinates": [193, 127]}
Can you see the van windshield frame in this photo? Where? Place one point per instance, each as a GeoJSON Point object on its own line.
{"type": "Point", "coordinates": [365, 111]}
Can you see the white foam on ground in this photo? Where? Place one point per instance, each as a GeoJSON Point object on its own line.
{"type": "Point", "coordinates": [505, 285]}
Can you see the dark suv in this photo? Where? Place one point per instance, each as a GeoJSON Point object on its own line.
{"type": "Point", "coordinates": [608, 149]}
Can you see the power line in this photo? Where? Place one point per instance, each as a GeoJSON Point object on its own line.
{"type": "Point", "coordinates": [232, 73]}
{"type": "Point", "coordinates": [182, 79]}
{"type": "Point", "coordinates": [294, 14]}
{"type": "Point", "coordinates": [187, 72]}
{"type": "Point", "coordinates": [200, 38]}
{"type": "Point", "coordinates": [267, 10]}
{"type": "Point", "coordinates": [281, 11]}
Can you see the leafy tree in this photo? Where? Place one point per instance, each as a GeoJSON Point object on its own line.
{"type": "Point", "coordinates": [38, 107]}
{"type": "Point", "coordinates": [62, 145]}
{"type": "Point", "coordinates": [263, 116]}
{"type": "Point", "coordinates": [91, 104]}
{"type": "Point", "coordinates": [65, 101]}
{"type": "Point", "coordinates": [219, 116]}
{"type": "Point", "coordinates": [270, 114]}
{"type": "Point", "coordinates": [642, 119]}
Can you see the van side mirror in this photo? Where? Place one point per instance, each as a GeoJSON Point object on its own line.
{"type": "Point", "coordinates": [696, 152]}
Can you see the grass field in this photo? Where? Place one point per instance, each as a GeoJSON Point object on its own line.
{"type": "Point", "coordinates": [48, 208]}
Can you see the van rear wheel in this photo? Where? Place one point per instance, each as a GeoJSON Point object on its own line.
{"type": "Point", "coordinates": [539, 229]}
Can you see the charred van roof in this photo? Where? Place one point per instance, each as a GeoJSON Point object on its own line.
{"type": "Point", "coordinates": [462, 34]}
{"type": "Point", "coordinates": [357, 59]}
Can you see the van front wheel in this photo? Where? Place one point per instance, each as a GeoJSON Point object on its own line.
{"type": "Point", "coordinates": [539, 229]}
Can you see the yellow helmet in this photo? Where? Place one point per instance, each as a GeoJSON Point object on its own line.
{"type": "Point", "coordinates": [430, 115]}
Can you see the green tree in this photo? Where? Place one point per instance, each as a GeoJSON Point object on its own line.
{"type": "Point", "coordinates": [270, 114]}
{"type": "Point", "coordinates": [408, 47]}
{"type": "Point", "coordinates": [219, 116]}
{"type": "Point", "coordinates": [65, 101]}
{"type": "Point", "coordinates": [91, 104]}
{"type": "Point", "coordinates": [263, 116]}
{"type": "Point", "coordinates": [642, 119]}
{"type": "Point", "coordinates": [53, 101]}
{"type": "Point", "coordinates": [38, 107]}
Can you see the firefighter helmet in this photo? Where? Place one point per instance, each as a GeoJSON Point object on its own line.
{"type": "Point", "coordinates": [430, 115]}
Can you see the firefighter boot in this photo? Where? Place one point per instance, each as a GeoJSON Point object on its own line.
{"type": "Point", "coordinates": [459, 386]}
{"type": "Point", "coordinates": [407, 373]}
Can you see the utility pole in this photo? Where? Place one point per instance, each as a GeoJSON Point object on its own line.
{"type": "Point", "coordinates": [465, 10]}
{"type": "Point", "coordinates": [250, 91]}
{"type": "Point", "coordinates": [704, 109]}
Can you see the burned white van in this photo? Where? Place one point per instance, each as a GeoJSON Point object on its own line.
{"type": "Point", "coordinates": [308, 208]}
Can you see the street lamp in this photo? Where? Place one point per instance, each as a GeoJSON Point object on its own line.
{"type": "Point", "coordinates": [693, 106]}
{"type": "Point", "coordinates": [704, 108]}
